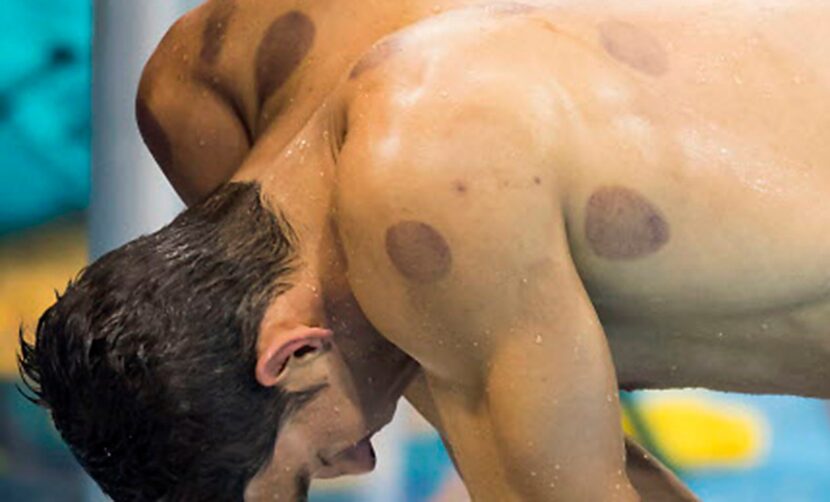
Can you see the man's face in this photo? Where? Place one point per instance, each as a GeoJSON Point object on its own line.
{"type": "Point", "coordinates": [360, 377]}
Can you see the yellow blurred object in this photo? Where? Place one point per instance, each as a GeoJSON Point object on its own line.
{"type": "Point", "coordinates": [695, 432]}
{"type": "Point", "coordinates": [33, 265]}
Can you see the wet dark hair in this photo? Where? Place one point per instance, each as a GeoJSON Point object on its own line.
{"type": "Point", "coordinates": [146, 362]}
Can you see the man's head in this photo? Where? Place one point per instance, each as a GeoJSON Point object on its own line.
{"type": "Point", "coordinates": [174, 365]}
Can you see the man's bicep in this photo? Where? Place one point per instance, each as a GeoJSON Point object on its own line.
{"type": "Point", "coordinates": [554, 411]}
{"type": "Point", "coordinates": [541, 414]}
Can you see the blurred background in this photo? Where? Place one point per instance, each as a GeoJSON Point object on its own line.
{"type": "Point", "coordinates": [67, 194]}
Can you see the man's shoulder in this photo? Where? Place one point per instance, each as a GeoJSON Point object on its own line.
{"type": "Point", "coordinates": [463, 88]}
{"type": "Point", "coordinates": [449, 186]}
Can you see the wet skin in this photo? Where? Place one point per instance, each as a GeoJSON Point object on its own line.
{"type": "Point", "coordinates": [536, 202]}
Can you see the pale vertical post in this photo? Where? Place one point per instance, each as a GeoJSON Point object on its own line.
{"type": "Point", "coordinates": [130, 196]}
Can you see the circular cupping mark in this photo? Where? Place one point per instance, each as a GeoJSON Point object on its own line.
{"type": "Point", "coordinates": [286, 43]}
{"type": "Point", "coordinates": [622, 224]}
{"type": "Point", "coordinates": [418, 251]}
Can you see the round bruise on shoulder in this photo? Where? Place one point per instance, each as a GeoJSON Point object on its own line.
{"type": "Point", "coordinates": [418, 251]}
{"type": "Point", "coordinates": [216, 28]}
{"type": "Point", "coordinates": [154, 136]}
{"type": "Point", "coordinates": [621, 224]}
{"type": "Point", "coordinates": [286, 43]}
{"type": "Point", "coordinates": [377, 54]}
{"type": "Point", "coordinates": [634, 47]}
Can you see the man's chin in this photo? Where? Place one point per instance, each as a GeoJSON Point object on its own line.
{"type": "Point", "coordinates": [358, 459]}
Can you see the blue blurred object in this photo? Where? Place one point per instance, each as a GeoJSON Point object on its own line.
{"type": "Point", "coordinates": [796, 467]}
{"type": "Point", "coordinates": [44, 110]}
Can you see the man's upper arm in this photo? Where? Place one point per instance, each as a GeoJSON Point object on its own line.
{"type": "Point", "coordinates": [450, 202]}
{"type": "Point", "coordinates": [450, 188]}
{"type": "Point", "coordinates": [186, 117]}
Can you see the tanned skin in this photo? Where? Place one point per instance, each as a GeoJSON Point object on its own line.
{"type": "Point", "coordinates": [539, 204]}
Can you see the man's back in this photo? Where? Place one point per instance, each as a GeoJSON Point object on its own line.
{"type": "Point", "coordinates": [684, 144]}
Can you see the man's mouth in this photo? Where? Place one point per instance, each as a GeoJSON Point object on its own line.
{"type": "Point", "coordinates": [361, 454]}
{"type": "Point", "coordinates": [356, 459]}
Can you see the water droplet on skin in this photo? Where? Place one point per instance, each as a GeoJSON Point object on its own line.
{"type": "Point", "coordinates": [556, 467]}
{"type": "Point", "coordinates": [445, 94]}
{"type": "Point", "coordinates": [202, 142]}
{"type": "Point", "coordinates": [533, 474]}
{"type": "Point", "coordinates": [720, 334]}
{"type": "Point", "coordinates": [609, 398]}
{"type": "Point", "coordinates": [436, 9]}
{"type": "Point", "coordinates": [674, 367]}
{"type": "Point", "coordinates": [764, 326]}
{"type": "Point", "coordinates": [524, 280]}
{"type": "Point", "coordinates": [538, 339]}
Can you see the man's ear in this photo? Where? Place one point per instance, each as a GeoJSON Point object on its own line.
{"type": "Point", "coordinates": [286, 351]}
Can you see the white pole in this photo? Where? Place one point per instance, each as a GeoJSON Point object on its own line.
{"type": "Point", "coordinates": [130, 196]}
